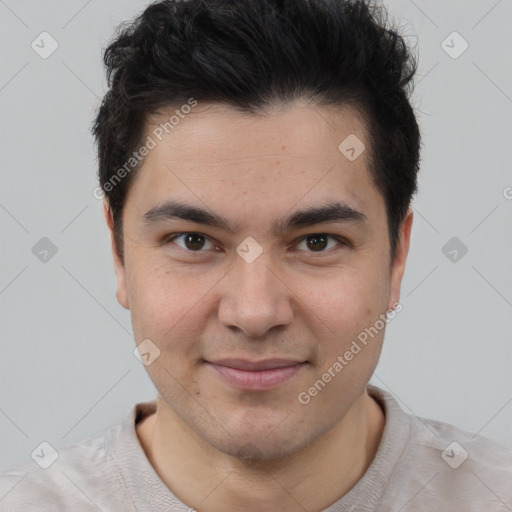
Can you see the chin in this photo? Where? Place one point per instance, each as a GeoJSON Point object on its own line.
{"type": "Point", "coordinates": [262, 441]}
{"type": "Point", "coordinates": [254, 450]}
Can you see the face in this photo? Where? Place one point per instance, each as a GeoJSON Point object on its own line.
{"type": "Point", "coordinates": [255, 256]}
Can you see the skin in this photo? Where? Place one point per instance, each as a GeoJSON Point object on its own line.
{"type": "Point", "coordinates": [295, 301]}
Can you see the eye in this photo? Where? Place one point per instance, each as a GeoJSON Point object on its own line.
{"type": "Point", "coordinates": [319, 242]}
{"type": "Point", "coordinates": [314, 242]}
{"type": "Point", "coordinates": [192, 242]}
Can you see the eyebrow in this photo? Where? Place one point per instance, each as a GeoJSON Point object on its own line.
{"type": "Point", "coordinates": [334, 212]}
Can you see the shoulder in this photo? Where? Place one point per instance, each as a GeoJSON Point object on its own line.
{"type": "Point", "coordinates": [458, 448]}
{"type": "Point", "coordinates": [74, 477]}
{"type": "Point", "coordinates": [443, 464]}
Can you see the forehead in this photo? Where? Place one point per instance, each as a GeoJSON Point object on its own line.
{"type": "Point", "coordinates": [292, 153]}
{"type": "Point", "coordinates": [292, 129]}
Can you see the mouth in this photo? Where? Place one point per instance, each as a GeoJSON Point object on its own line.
{"type": "Point", "coordinates": [256, 375]}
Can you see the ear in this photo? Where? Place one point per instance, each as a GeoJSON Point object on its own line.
{"type": "Point", "coordinates": [398, 266]}
{"type": "Point", "coordinates": [122, 294]}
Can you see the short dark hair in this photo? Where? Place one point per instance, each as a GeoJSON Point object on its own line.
{"type": "Point", "coordinates": [251, 54]}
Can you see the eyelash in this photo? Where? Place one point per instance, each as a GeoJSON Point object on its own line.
{"type": "Point", "coordinates": [343, 242]}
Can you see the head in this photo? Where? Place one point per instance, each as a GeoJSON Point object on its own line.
{"type": "Point", "coordinates": [258, 160]}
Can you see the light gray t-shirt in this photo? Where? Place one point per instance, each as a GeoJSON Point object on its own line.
{"type": "Point", "coordinates": [421, 465]}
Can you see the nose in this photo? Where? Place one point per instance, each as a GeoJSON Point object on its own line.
{"type": "Point", "coordinates": [256, 298]}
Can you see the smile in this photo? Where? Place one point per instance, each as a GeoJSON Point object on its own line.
{"type": "Point", "coordinates": [256, 376]}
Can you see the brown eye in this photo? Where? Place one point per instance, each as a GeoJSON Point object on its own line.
{"type": "Point", "coordinates": [317, 242]}
{"type": "Point", "coordinates": [192, 242]}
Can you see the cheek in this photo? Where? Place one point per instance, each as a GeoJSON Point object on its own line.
{"type": "Point", "coordinates": [166, 308]}
{"type": "Point", "coordinates": [342, 306]}
{"type": "Point", "coordinates": [164, 300]}
{"type": "Point", "coordinates": [350, 294]}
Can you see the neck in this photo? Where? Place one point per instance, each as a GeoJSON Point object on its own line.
{"type": "Point", "coordinates": [312, 479]}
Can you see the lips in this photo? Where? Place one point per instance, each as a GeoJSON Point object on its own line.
{"type": "Point", "coordinates": [256, 375]}
{"type": "Point", "coordinates": [268, 364]}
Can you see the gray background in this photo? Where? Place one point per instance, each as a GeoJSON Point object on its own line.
{"type": "Point", "coordinates": [68, 368]}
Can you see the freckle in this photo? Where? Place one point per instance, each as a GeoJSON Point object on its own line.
{"type": "Point", "coordinates": [277, 163]}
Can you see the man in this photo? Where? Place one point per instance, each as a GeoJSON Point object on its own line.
{"type": "Point", "coordinates": [258, 159]}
